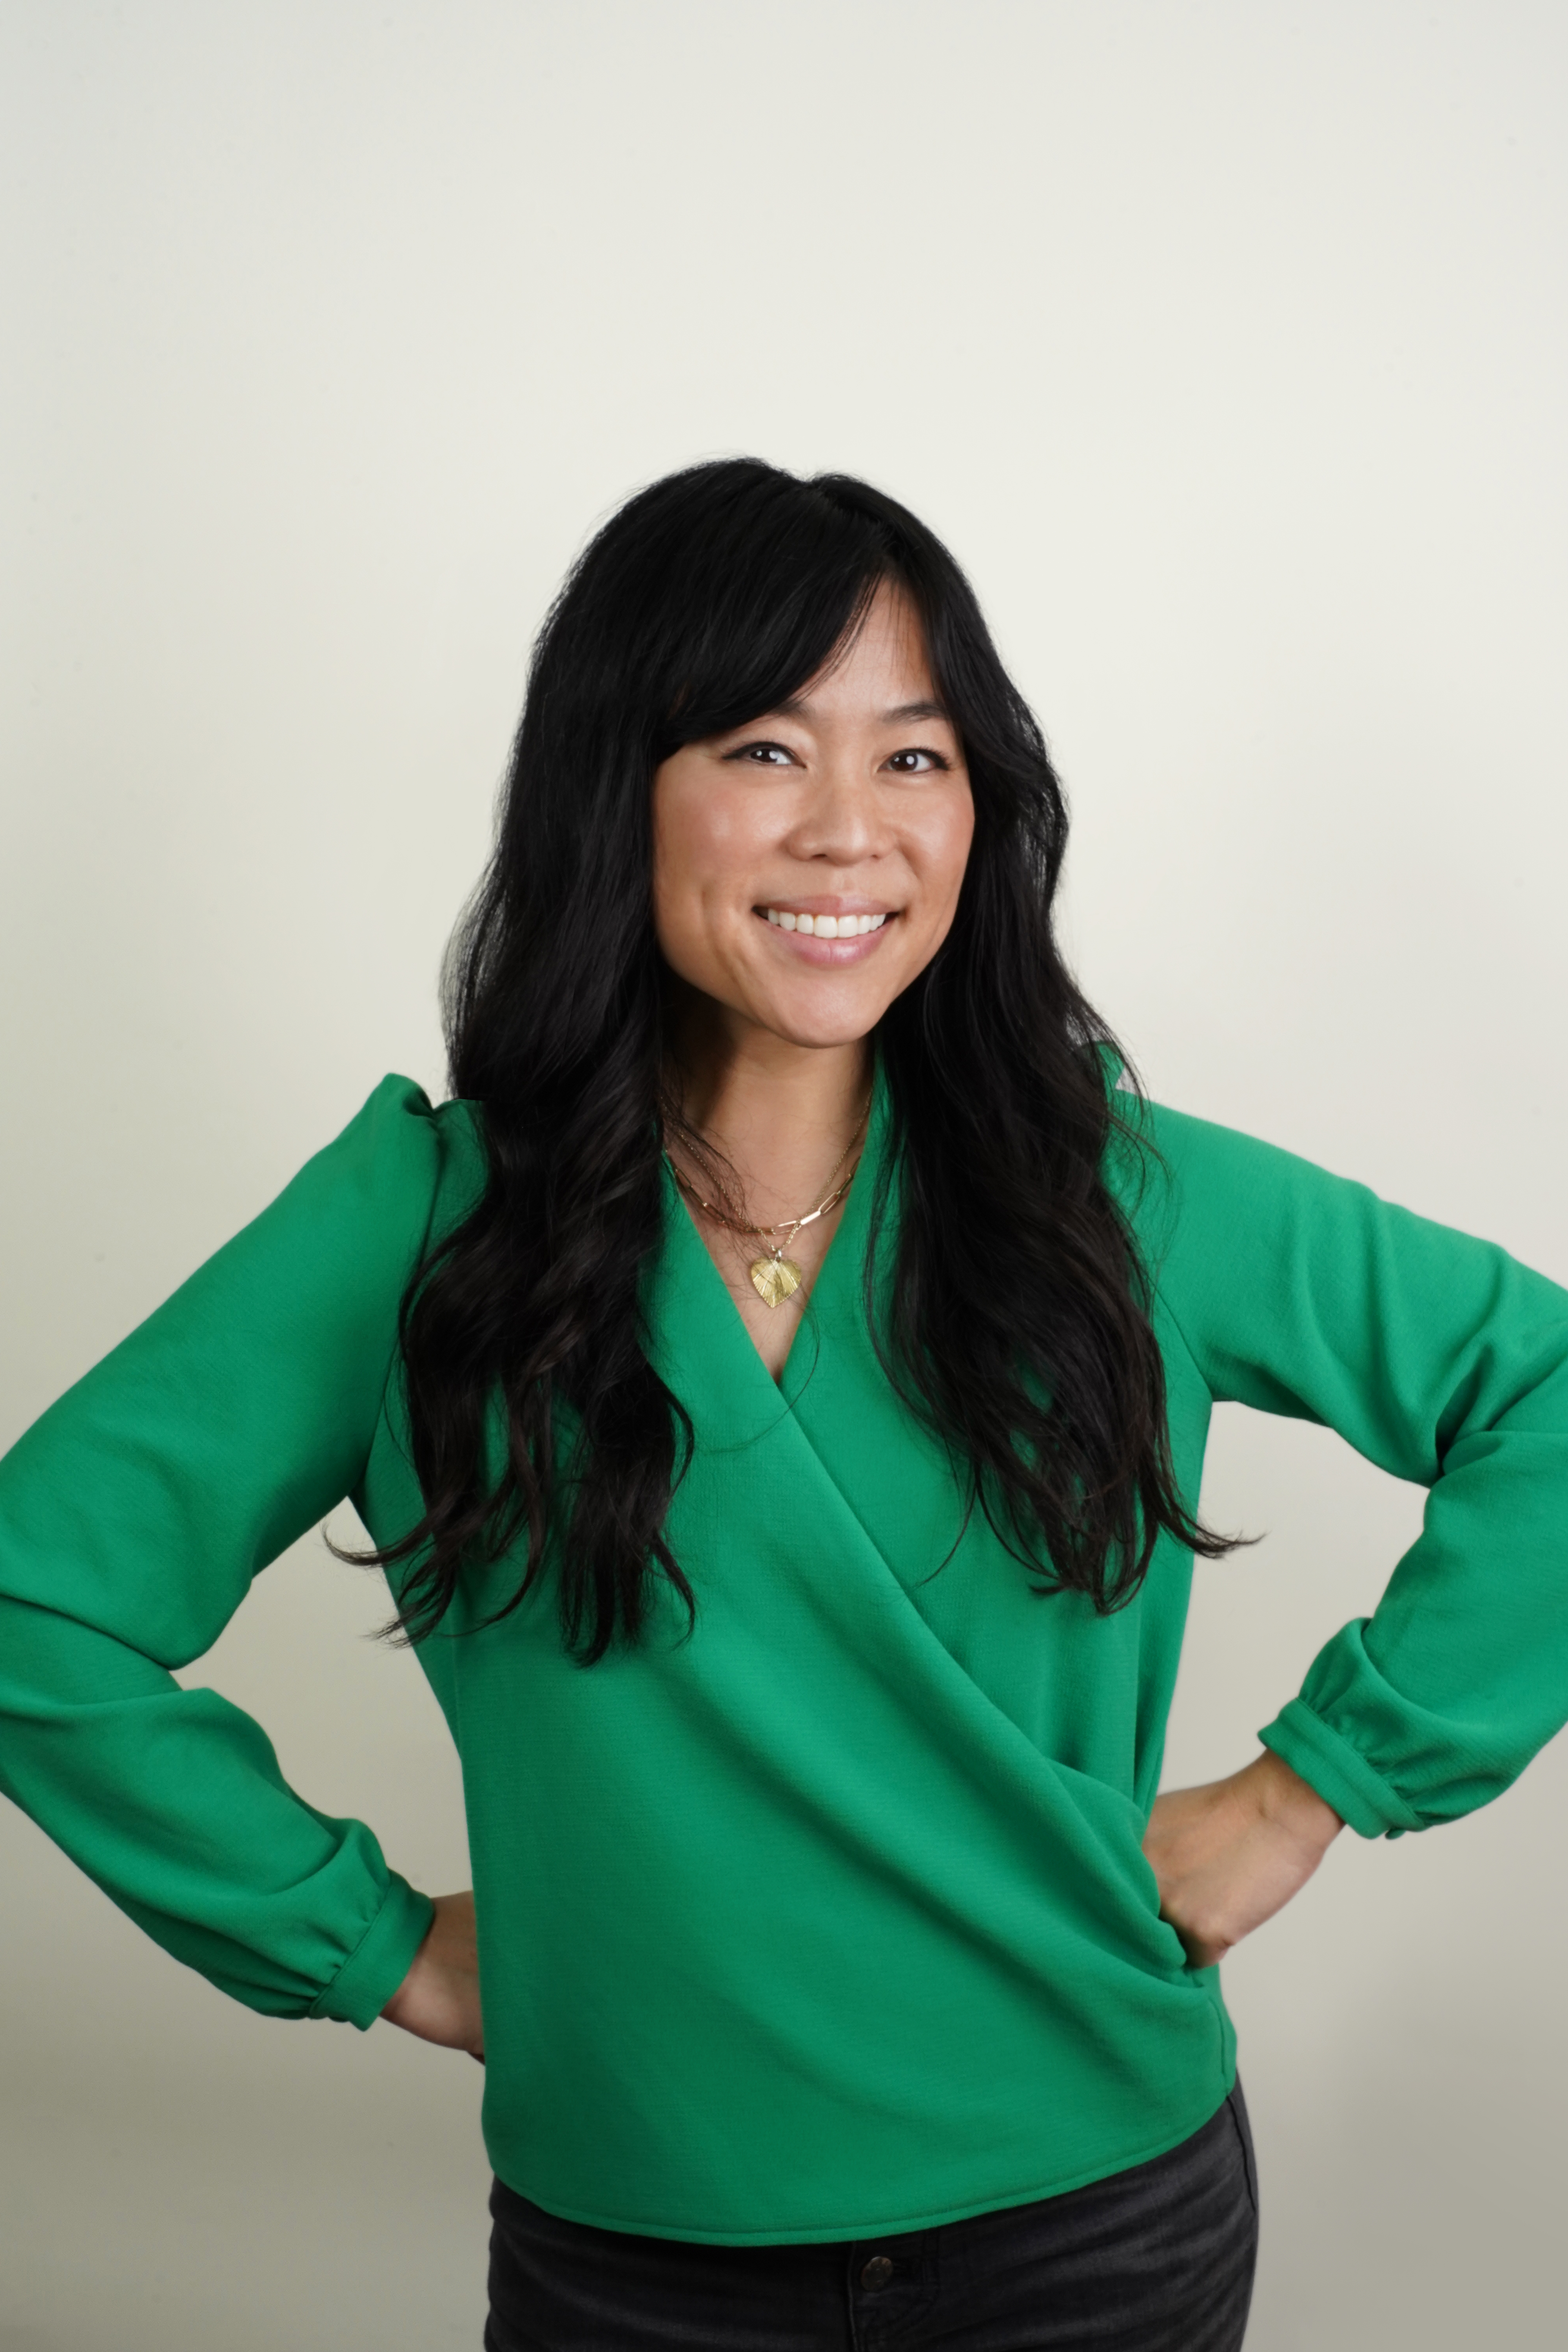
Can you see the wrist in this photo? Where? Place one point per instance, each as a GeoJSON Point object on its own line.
{"type": "Point", "coordinates": [1288, 1802]}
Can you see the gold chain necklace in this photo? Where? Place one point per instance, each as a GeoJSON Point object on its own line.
{"type": "Point", "coordinates": [775, 1277]}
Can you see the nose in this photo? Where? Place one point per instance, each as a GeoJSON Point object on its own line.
{"type": "Point", "coordinates": [841, 818]}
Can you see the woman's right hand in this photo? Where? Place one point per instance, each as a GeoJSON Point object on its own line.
{"type": "Point", "coordinates": [438, 1999]}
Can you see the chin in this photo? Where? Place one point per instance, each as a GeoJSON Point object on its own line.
{"type": "Point", "coordinates": [823, 1025]}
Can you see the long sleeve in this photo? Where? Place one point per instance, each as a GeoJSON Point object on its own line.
{"type": "Point", "coordinates": [132, 1517]}
{"type": "Point", "coordinates": [1444, 1360]}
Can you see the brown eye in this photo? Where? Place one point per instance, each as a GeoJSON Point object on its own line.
{"type": "Point", "coordinates": [762, 755]}
{"type": "Point", "coordinates": [915, 762]}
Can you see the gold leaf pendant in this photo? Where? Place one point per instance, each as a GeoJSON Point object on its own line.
{"type": "Point", "coordinates": [773, 1278]}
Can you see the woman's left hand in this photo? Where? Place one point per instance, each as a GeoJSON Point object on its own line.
{"type": "Point", "coordinates": [438, 1999]}
{"type": "Point", "coordinates": [1231, 1854]}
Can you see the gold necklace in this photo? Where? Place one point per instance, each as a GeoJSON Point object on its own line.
{"type": "Point", "coordinates": [775, 1277]}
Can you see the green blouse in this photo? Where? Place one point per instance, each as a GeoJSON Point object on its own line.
{"type": "Point", "coordinates": [833, 1919]}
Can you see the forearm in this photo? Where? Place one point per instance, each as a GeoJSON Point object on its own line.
{"type": "Point", "coordinates": [172, 1800]}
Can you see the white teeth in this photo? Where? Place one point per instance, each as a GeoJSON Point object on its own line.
{"type": "Point", "coordinates": [825, 926]}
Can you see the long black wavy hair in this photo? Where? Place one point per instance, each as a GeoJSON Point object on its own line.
{"type": "Point", "coordinates": [1017, 1324]}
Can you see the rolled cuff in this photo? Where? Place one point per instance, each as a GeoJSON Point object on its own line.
{"type": "Point", "coordinates": [380, 1960]}
{"type": "Point", "coordinates": [1339, 1772]}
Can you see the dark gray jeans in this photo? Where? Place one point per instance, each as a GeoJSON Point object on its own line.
{"type": "Point", "coordinates": [1158, 2259]}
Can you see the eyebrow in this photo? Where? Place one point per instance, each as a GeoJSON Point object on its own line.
{"type": "Point", "coordinates": [794, 707]}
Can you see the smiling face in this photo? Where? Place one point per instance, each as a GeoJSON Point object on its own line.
{"type": "Point", "coordinates": [807, 865]}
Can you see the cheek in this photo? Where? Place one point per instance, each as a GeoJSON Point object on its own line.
{"type": "Point", "coordinates": [941, 849]}
{"type": "Point", "coordinates": [703, 852]}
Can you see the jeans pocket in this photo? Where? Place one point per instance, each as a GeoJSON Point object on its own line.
{"type": "Point", "coordinates": [1239, 2117]}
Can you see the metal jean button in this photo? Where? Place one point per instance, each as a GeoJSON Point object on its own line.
{"type": "Point", "coordinates": [876, 2272]}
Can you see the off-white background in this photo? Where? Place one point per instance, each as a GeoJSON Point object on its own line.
{"type": "Point", "coordinates": [1226, 344]}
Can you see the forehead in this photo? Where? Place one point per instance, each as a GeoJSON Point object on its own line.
{"type": "Point", "coordinates": [882, 669]}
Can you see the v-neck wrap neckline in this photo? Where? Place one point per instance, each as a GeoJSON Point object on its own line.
{"type": "Point", "coordinates": [693, 1318]}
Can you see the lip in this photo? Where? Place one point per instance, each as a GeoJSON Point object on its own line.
{"type": "Point", "coordinates": [839, 905]}
{"type": "Point", "coordinates": [830, 955]}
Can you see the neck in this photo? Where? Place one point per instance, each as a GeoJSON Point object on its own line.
{"type": "Point", "coordinates": [779, 1114]}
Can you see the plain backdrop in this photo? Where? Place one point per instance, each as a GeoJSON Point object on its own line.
{"type": "Point", "coordinates": [1226, 344]}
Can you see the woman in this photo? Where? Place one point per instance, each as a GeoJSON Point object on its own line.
{"type": "Point", "coordinates": [776, 1385]}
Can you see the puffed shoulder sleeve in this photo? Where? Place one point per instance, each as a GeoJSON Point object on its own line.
{"type": "Point", "coordinates": [1443, 1359]}
{"type": "Point", "coordinates": [132, 1517]}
